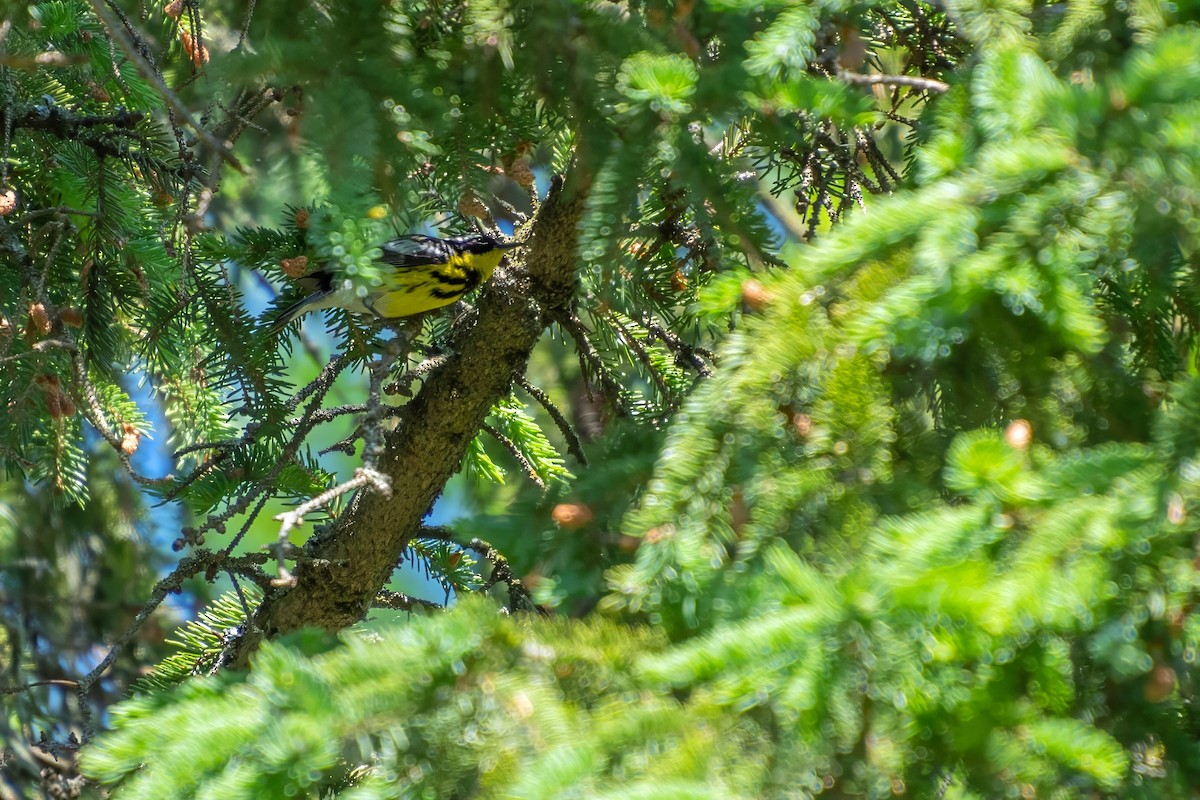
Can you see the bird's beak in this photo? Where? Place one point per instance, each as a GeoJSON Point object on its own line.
{"type": "Point", "coordinates": [508, 245]}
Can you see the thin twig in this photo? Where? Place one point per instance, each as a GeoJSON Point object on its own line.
{"type": "Point", "coordinates": [590, 355]}
{"type": "Point", "coordinates": [347, 445]}
{"type": "Point", "coordinates": [224, 444]}
{"type": "Point", "coordinates": [397, 601]}
{"type": "Point", "coordinates": [322, 382]}
{"type": "Point", "coordinates": [694, 356]}
{"type": "Point", "coordinates": [643, 355]}
{"type": "Point", "coordinates": [250, 518]}
{"type": "Point", "coordinates": [511, 446]}
{"type": "Point", "coordinates": [237, 588]}
{"type": "Point", "coordinates": [330, 414]}
{"type": "Point", "coordinates": [878, 159]}
{"type": "Point", "coordinates": [376, 411]}
{"type": "Point", "coordinates": [59, 234]}
{"type": "Point", "coordinates": [39, 348]}
{"type": "Point", "coordinates": [518, 595]}
{"type": "Point", "coordinates": [574, 446]}
{"type": "Point", "coordinates": [100, 422]}
{"type": "Point", "coordinates": [32, 684]}
{"type": "Point", "coordinates": [290, 519]}
{"type": "Point", "coordinates": [59, 211]}
{"type": "Point", "coordinates": [403, 384]}
{"type": "Point", "coordinates": [914, 81]}
{"type": "Point", "coordinates": [205, 467]}
{"type": "Point", "coordinates": [48, 58]}
{"type": "Point", "coordinates": [245, 25]}
{"type": "Point", "coordinates": [895, 117]}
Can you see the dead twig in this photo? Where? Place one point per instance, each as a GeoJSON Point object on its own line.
{"type": "Point", "coordinates": [290, 519]}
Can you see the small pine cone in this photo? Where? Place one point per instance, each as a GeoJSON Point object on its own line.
{"type": "Point", "coordinates": [659, 534]}
{"type": "Point", "coordinates": [5, 327]}
{"type": "Point", "coordinates": [755, 295]}
{"type": "Point", "coordinates": [99, 93]}
{"type": "Point", "coordinates": [802, 424]}
{"type": "Point", "coordinates": [72, 317]}
{"type": "Point", "coordinates": [196, 51]}
{"type": "Point", "coordinates": [520, 172]}
{"type": "Point", "coordinates": [469, 205]}
{"type": "Point", "coordinates": [131, 437]}
{"type": "Point", "coordinates": [39, 320]}
{"type": "Point", "coordinates": [1160, 684]}
{"type": "Point", "coordinates": [571, 515]}
{"type": "Point", "coordinates": [1176, 510]}
{"type": "Point", "coordinates": [302, 218]}
{"type": "Point", "coordinates": [54, 404]}
{"type": "Point", "coordinates": [679, 281]}
{"type": "Point", "coordinates": [174, 9]}
{"type": "Point", "coordinates": [8, 202]}
{"type": "Point", "coordinates": [295, 267]}
{"type": "Point", "coordinates": [58, 402]}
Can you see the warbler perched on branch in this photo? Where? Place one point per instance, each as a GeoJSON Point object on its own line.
{"type": "Point", "coordinates": [420, 273]}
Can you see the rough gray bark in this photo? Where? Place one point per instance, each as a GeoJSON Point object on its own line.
{"type": "Point", "coordinates": [347, 564]}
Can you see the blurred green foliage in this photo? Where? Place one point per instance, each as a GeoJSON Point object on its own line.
{"type": "Point", "coordinates": [924, 524]}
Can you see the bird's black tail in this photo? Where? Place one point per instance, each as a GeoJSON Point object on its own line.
{"type": "Point", "coordinates": [319, 285]}
{"type": "Point", "coordinates": [298, 309]}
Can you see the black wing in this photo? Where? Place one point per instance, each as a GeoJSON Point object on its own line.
{"type": "Point", "coordinates": [415, 251]}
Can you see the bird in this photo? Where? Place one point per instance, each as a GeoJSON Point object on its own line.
{"type": "Point", "coordinates": [425, 273]}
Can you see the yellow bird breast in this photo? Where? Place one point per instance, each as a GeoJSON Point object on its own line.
{"type": "Point", "coordinates": [416, 290]}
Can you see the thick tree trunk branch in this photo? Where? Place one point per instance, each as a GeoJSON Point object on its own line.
{"type": "Point", "coordinates": [347, 565]}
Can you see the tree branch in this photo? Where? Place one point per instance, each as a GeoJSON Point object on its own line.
{"type": "Point", "coordinates": [348, 562]}
{"type": "Point", "coordinates": [915, 81]}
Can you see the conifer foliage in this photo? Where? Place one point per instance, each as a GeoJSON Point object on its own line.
{"type": "Point", "coordinates": [846, 374]}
